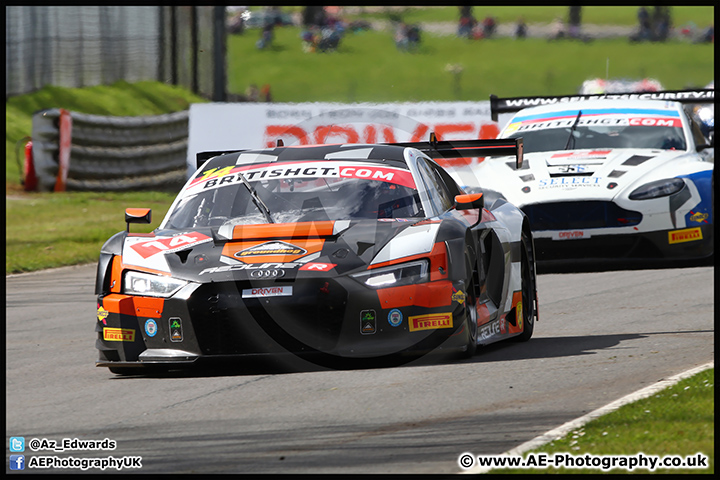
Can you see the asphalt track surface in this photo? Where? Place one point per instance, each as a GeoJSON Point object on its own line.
{"type": "Point", "coordinates": [601, 336]}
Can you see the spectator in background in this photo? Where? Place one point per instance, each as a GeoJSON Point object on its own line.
{"type": "Point", "coordinates": [267, 97]}
{"type": "Point", "coordinates": [236, 20]}
{"type": "Point", "coordinates": [662, 23]}
{"type": "Point", "coordinates": [266, 37]}
{"type": "Point", "coordinates": [252, 94]}
{"type": "Point", "coordinates": [574, 30]}
{"type": "Point", "coordinates": [401, 37]}
{"type": "Point", "coordinates": [708, 35]}
{"type": "Point", "coordinates": [477, 32]}
{"type": "Point", "coordinates": [309, 39]}
{"type": "Point", "coordinates": [467, 22]}
{"type": "Point", "coordinates": [313, 15]}
{"type": "Point", "coordinates": [520, 28]}
{"type": "Point", "coordinates": [557, 29]}
{"type": "Point", "coordinates": [489, 25]}
{"type": "Point", "coordinates": [574, 21]}
{"type": "Point", "coordinates": [645, 30]}
{"type": "Point", "coordinates": [413, 36]}
{"type": "Point", "coordinates": [644, 24]}
{"type": "Point", "coordinates": [330, 36]}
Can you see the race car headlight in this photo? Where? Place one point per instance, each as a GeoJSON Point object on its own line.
{"type": "Point", "coordinates": [660, 188]}
{"type": "Point", "coordinates": [137, 283]}
{"type": "Point", "coordinates": [396, 275]}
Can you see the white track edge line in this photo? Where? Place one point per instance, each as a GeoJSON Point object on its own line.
{"type": "Point", "coordinates": [568, 427]}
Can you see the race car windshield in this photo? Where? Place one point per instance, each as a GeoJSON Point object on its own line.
{"type": "Point", "coordinates": [550, 135]}
{"type": "Point", "coordinates": [297, 199]}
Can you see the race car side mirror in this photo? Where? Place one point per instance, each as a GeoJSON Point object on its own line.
{"type": "Point", "coordinates": [137, 215]}
{"type": "Point", "coordinates": [710, 142]}
{"type": "Point", "coordinates": [469, 201]}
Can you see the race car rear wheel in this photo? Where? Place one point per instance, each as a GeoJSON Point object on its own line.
{"type": "Point", "coordinates": [528, 289]}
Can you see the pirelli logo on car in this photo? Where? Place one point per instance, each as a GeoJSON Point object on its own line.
{"type": "Point", "coordinates": [119, 334]}
{"type": "Point", "coordinates": [431, 321]}
{"type": "Point", "coordinates": [686, 235]}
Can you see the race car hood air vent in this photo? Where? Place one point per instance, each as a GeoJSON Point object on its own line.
{"type": "Point", "coordinates": [636, 160]}
{"type": "Point", "coordinates": [322, 229]}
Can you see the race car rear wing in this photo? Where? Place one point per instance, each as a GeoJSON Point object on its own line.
{"type": "Point", "coordinates": [469, 148]}
{"type": "Point", "coordinates": [432, 148]}
{"type": "Point", "coordinates": [202, 157]}
{"type": "Point", "coordinates": [514, 104]}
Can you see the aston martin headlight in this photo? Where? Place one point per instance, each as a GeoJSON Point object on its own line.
{"type": "Point", "coordinates": [396, 275]}
{"type": "Point", "coordinates": [660, 188]}
{"type": "Point", "coordinates": [137, 283]}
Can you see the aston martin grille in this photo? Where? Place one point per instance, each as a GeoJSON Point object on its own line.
{"type": "Point", "coordinates": [579, 215]}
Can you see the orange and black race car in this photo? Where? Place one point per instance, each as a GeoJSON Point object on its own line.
{"type": "Point", "coordinates": [334, 252]}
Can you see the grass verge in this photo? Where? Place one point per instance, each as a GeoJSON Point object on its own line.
{"type": "Point", "coordinates": [45, 230]}
{"type": "Point", "coordinates": [678, 421]}
{"type": "Point", "coordinates": [70, 228]}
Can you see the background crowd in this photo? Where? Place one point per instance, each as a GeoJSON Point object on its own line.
{"type": "Point", "coordinates": [323, 29]}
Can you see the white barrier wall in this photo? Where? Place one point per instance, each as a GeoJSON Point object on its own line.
{"type": "Point", "coordinates": [219, 126]}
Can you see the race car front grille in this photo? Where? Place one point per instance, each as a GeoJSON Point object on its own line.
{"type": "Point", "coordinates": [579, 215]}
{"type": "Point", "coordinates": [225, 323]}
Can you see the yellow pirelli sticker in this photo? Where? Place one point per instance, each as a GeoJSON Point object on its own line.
{"type": "Point", "coordinates": [519, 315]}
{"type": "Point", "coordinates": [686, 235]}
{"type": "Point", "coordinates": [119, 334]}
{"type": "Point", "coordinates": [430, 321]}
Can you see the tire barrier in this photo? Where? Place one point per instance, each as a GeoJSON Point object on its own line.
{"type": "Point", "coordinates": [109, 153]}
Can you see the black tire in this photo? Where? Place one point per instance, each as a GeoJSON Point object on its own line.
{"type": "Point", "coordinates": [527, 268]}
{"type": "Point", "coordinates": [471, 317]}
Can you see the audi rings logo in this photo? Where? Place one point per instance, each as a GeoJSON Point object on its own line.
{"type": "Point", "coordinates": [267, 273]}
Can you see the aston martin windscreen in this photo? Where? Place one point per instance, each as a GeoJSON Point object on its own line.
{"type": "Point", "coordinates": [576, 129]}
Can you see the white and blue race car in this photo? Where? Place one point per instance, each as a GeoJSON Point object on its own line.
{"type": "Point", "coordinates": [627, 176]}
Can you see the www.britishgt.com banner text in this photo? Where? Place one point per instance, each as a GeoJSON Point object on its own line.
{"type": "Point", "coordinates": [234, 126]}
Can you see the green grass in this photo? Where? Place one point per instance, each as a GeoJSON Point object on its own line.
{"type": "Point", "coordinates": [679, 420]}
{"type": "Point", "coordinates": [119, 99]}
{"type": "Point", "coordinates": [368, 68]}
{"type": "Point", "coordinates": [70, 228]}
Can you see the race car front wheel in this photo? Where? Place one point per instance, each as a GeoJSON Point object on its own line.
{"type": "Point", "coordinates": [472, 315]}
{"type": "Point", "coordinates": [527, 269]}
